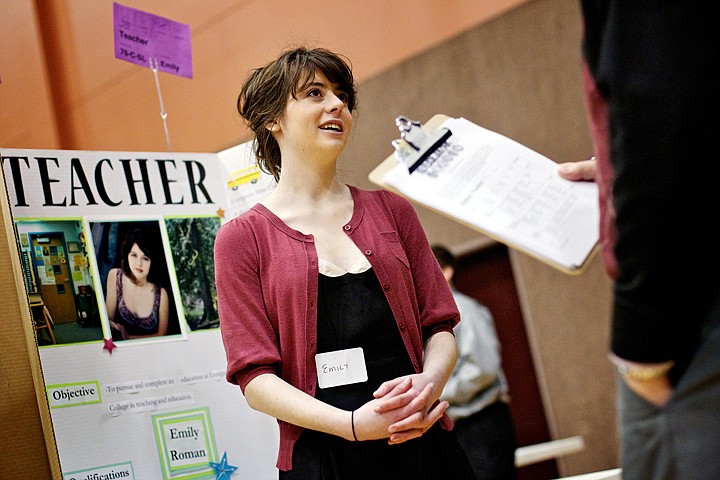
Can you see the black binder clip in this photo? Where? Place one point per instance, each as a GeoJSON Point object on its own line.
{"type": "Point", "coordinates": [415, 143]}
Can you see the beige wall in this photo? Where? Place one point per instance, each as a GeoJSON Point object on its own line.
{"type": "Point", "coordinates": [511, 66]}
{"type": "Point", "coordinates": [26, 110]}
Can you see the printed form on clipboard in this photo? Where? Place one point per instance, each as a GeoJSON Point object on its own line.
{"type": "Point", "coordinates": [496, 186]}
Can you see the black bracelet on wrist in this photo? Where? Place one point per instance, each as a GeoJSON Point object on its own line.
{"type": "Point", "coordinates": [352, 422]}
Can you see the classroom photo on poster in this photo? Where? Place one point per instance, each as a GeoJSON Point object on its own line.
{"type": "Point", "coordinates": [58, 280]}
{"type": "Point", "coordinates": [137, 282]}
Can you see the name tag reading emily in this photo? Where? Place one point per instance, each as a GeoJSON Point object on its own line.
{"type": "Point", "coordinates": [341, 367]}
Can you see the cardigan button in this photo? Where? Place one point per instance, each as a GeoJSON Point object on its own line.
{"type": "Point", "coordinates": [347, 228]}
{"type": "Point", "coordinates": [368, 252]}
{"type": "Point", "coordinates": [386, 286]}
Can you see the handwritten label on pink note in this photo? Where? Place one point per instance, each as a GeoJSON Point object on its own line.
{"type": "Point", "coordinates": [142, 38]}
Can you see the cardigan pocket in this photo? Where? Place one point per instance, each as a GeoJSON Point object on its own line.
{"type": "Point", "coordinates": [392, 240]}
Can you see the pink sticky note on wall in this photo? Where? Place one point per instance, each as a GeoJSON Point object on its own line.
{"type": "Point", "coordinates": [142, 37]}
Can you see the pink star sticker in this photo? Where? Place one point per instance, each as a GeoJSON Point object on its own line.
{"type": "Point", "coordinates": [109, 345]}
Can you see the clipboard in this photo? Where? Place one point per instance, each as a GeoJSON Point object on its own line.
{"type": "Point", "coordinates": [432, 125]}
{"type": "Point", "coordinates": [417, 143]}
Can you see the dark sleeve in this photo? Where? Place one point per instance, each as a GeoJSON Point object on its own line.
{"type": "Point", "coordinates": [651, 62]}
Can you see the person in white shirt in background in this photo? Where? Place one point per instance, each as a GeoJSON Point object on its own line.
{"type": "Point", "coordinates": [477, 389]}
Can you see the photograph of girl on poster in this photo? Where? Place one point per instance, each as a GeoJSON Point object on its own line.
{"type": "Point", "coordinates": [133, 269]}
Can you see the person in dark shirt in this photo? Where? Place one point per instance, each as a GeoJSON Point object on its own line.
{"type": "Point", "coordinates": [653, 101]}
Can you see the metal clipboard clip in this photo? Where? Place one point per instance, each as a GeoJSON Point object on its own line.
{"type": "Point", "coordinates": [416, 144]}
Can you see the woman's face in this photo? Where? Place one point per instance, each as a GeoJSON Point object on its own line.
{"type": "Point", "coordinates": [139, 263]}
{"type": "Point", "coordinates": [318, 120]}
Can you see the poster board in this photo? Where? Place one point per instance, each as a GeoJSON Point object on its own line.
{"type": "Point", "coordinates": [496, 186]}
{"type": "Point", "coordinates": [24, 412]}
{"type": "Point", "coordinates": [149, 407]}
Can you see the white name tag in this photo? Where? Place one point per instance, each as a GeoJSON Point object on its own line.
{"type": "Point", "coordinates": [341, 367]}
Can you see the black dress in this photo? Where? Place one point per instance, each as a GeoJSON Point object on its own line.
{"type": "Point", "coordinates": [353, 312]}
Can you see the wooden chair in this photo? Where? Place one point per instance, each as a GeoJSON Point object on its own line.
{"type": "Point", "coordinates": [41, 316]}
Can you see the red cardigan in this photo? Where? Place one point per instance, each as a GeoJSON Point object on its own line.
{"type": "Point", "coordinates": [267, 284]}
